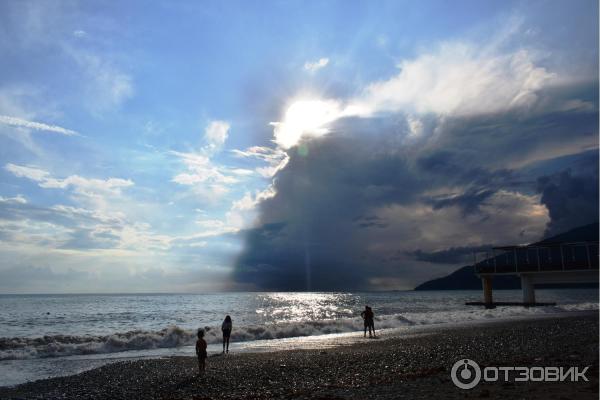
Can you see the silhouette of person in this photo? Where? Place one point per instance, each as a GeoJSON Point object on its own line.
{"type": "Point", "coordinates": [201, 351]}
{"type": "Point", "coordinates": [368, 317]}
{"type": "Point", "coordinates": [372, 322]}
{"type": "Point", "coordinates": [226, 328]}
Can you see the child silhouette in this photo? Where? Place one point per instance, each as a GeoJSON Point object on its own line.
{"type": "Point", "coordinates": [201, 351]}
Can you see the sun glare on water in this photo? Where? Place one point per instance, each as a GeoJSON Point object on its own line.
{"type": "Point", "coordinates": [305, 118]}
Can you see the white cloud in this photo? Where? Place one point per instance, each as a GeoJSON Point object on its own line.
{"type": "Point", "coordinates": [20, 106]}
{"type": "Point", "coordinates": [62, 228]}
{"type": "Point", "coordinates": [19, 199]}
{"type": "Point", "coordinates": [249, 202]}
{"type": "Point", "coordinates": [241, 171]}
{"type": "Point", "coordinates": [459, 79]}
{"type": "Point", "coordinates": [241, 215]}
{"type": "Point", "coordinates": [83, 186]}
{"type": "Point", "coordinates": [275, 158]}
{"type": "Point", "coordinates": [88, 187]}
{"type": "Point", "coordinates": [212, 227]}
{"type": "Point", "coordinates": [216, 134]}
{"type": "Point", "coordinates": [22, 123]}
{"type": "Point", "coordinates": [79, 33]}
{"type": "Point", "coordinates": [201, 170]}
{"type": "Point", "coordinates": [245, 203]}
{"type": "Point", "coordinates": [316, 65]}
{"type": "Point", "coordinates": [264, 153]}
{"type": "Point", "coordinates": [455, 79]}
{"type": "Point", "coordinates": [32, 173]}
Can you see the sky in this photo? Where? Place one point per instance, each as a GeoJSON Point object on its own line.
{"type": "Point", "coordinates": [287, 145]}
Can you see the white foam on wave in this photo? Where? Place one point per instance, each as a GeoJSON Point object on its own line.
{"type": "Point", "coordinates": [66, 345]}
{"type": "Point", "coordinates": [174, 336]}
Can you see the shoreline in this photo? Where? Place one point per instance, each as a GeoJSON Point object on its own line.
{"type": "Point", "coordinates": [414, 363]}
{"type": "Point", "coordinates": [17, 372]}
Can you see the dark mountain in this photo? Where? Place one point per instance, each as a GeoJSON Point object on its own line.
{"type": "Point", "coordinates": [582, 234]}
{"type": "Point", "coordinates": [465, 279]}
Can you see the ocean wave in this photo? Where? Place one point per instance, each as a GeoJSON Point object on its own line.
{"type": "Point", "coordinates": [66, 345]}
{"type": "Point", "coordinates": [175, 336]}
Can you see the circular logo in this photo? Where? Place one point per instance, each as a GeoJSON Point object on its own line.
{"type": "Point", "coordinates": [465, 374]}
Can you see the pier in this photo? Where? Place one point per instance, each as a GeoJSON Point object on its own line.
{"type": "Point", "coordinates": [548, 263]}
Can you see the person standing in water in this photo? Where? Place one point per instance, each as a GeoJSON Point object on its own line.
{"type": "Point", "coordinates": [372, 322]}
{"type": "Point", "coordinates": [201, 351]}
{"type": "Point", "coordinates": [226, 328]}
{"type": "Point", "coordinates": [368, 317]}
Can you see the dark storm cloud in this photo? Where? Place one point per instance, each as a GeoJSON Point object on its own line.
{"type": "Point", "coordinates": [571, 199]}
{"type": "Point", "coordinates": [286, 260]}
{"type": "Point", "coordinates": [370, 221]}
{"type": "Point", "coordinates": [369, 183]}
{"type": "Point", "coordinates": [453, 255]}
{"type": "Point", "coordinates": [469, 201]}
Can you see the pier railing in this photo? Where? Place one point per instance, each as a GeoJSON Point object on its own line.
{"type": "Point", "coordinates": [539, 258]}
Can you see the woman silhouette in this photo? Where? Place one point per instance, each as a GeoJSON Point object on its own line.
{"type": "Point", "coordinates": [226, 328]}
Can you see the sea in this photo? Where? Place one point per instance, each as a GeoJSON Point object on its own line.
{"type": "Point", "coordinates": [45, 336]}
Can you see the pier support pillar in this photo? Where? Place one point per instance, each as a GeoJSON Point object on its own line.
{"type": "Point", "coordinates": [486, 282]}
{"type": "Point", "coordinates": [528, 289]}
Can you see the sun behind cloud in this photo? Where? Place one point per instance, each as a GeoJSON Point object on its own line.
{"type": "Point", "coordinates": [305, 118]}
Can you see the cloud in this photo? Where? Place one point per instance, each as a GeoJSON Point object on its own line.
{"type": "Point", "coordinates": [216, 134]}
{"type": "Point", "coordinates": [443, 156]}
{"type": "Point", "coordinates": [350, 206]}
{"type": "Point", "coordinates": [17, 199]}
{"type": "Point", "coordinates": [468, 201]}
{"type": "Point", "coordinates": [80, 185]}
{"type": "Point", "coordinates": [202, 170]}
{"type": "Point", "coordinates": [459, 79]}
{"type": "Point", "coordinates": [452, 255]}
{"type": "Point", "coordinates": [375, 203]}
{"type": "Point", "coordinates": [454, 79]}
{"type": "Point", "coordinates": [249, 202]}
{"type": "Point", "coordinates": [32, 173]}
{"type": "Point", "coordinates": [275, 158]}
{"type": "Point", "coordinates": [88, 187]}
{"type": "Point", "coordinates": [213, 227]}
{"type": "Point", "coordinates": [241, 171]}
{"type": "Point", "coordinates": [316, 65]}
{"type": "Point", "coordinates": [21, 123]}
{"type": "Point", "coordinates": [571, 198]}
{"type": "Point", "coordinates": [21, 107]}
{"type": "Point", "coordinates": [66, 228]}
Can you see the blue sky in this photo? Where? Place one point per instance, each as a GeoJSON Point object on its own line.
{"type": "Point", "coordinates": [142, 145]}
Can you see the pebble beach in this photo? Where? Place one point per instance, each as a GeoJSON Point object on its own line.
{"type": "Point", "coordinates": [392, 367]}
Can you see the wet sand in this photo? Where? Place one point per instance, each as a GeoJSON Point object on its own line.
{"type": "Point", "coordinates": [413, 366]}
